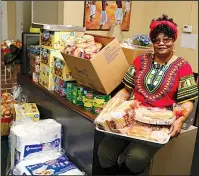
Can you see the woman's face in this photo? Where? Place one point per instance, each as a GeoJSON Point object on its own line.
{"type": "Point", "coordinates": [163, 45]}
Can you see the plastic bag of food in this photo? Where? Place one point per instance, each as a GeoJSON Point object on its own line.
{"type": "Point", "coordinates": [46, 163]}
{"type": "Point", "coordinates": [156, 116]}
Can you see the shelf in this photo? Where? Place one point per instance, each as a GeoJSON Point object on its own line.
{"type": "Point", "coordinates": [57, 97]}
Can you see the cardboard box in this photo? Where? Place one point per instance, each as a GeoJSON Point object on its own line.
{"type": "Point", "coordinates": [131, 54]}
{"type": "Point", "coordinates": [47, 56]}
{"type": "Point", "coordinates": [57, 39]}
{"type": "Point", "coordinates": [46, 77]}
{"type": "Point", "coordinates": [61, 69]}
{"type": "Point", "coordinates": [27, 110]}
{"type": "Point", "coordinates": [105, 71]}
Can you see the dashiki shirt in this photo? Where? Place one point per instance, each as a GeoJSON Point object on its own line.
{"type": "Point", "coordinates": [161, 86]}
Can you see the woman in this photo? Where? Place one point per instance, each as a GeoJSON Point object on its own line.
{"type": "Point", "coordinates": [158, 80]}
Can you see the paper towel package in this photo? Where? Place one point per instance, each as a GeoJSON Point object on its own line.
{"type": "Point", "coordinates": [30, 137]}
{"type": "Point", "coordinates": [46, 163]}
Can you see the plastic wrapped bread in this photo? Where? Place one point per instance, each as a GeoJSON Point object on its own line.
{"type": "Point", "coordinates": [156, 116]}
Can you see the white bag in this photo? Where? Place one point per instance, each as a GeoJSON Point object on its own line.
{"type": "Point", "coordinates": [31, 137]}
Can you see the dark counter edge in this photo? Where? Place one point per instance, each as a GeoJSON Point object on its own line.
{"type": "Point", "coordinates": [63, 100]}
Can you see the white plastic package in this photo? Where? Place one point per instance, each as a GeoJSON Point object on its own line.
{"type": "Point", "coordinates": [30, 137]}
{"type": "Point", "coordinates": [46, 163]}
{"type": "Point", "coordinates": [155, 116]}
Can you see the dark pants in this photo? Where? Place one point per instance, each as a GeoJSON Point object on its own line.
{"type": "Point", "coordinates": [136, 156]}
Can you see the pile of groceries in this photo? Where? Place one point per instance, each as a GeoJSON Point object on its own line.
{"type": "Point", "coordinates": [35, 146]}
{"type": "Point", "coordinates": [132, 119]}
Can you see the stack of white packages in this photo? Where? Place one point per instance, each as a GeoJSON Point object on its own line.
{"type": "Point", "coordinates": [46, 163]}
{"type": "Point", "coordinates": [30, 137]}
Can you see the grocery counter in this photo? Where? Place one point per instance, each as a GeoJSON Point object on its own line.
{"type": "Point", "coordinates": [78, 139]}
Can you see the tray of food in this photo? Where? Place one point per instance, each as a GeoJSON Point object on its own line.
{"type": "Point", "coordinates": [132, 121]}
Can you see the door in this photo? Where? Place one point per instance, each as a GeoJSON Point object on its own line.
{"type": "Point", "coordinates": [4, 21]}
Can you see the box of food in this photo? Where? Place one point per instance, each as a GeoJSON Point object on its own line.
{"type": "Point", "coordinates": [60, 86]}
{"type": "Point", "coordinates": [34, 62]}
{"type": "Point", "coordinates": [46, 77]}
{"type": "Point", "coordinates": [69, 87]}
{"type": "Point", "coordinates": [47, 56]}
{"type": "Point", "coordinates": [77, 95]}
{"type": "Point", "coordinates": [57, 39]}
{"type": "Point", "coordinates": [132, 53]}
{"type": "Point", "coordinates": [87, 99]}
{"type": "Point", "coordinates": [99, 101]}
{"type": "Point", "coordinates": [103, 72]}
{"type": "Point", "coordinates": [61, 69]}
{"type": "Point", "coordinates": [26, 111]}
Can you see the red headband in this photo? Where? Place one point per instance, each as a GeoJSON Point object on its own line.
{"type": "Point", "coordinates": [154, 24]}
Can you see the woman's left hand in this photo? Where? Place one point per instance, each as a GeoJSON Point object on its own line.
{"type": "Point", "coordinates": [176, 128]}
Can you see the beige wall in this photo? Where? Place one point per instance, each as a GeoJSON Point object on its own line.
{"type": "Point", "coordinates": [183, 12]}
{"type": "Point", "coordinates": [11, 7]}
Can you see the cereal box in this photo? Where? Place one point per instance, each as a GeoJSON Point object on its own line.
{"type": "Point", "coordinates": [27, 110]}
{"type": "Point", "coordinates": [61, 69]}
{"type": "Point", "coordinates": [47, 56]}
{"type": "Point", "coordinates": [46, 77]}
{"type": "Point", "coordinates": [57, 39]}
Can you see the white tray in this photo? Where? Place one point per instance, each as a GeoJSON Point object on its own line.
{"type": "Point", "coordinates": [131, 138]}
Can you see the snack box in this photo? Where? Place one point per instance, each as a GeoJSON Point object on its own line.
{"type": "Point", "coordinates": [26, 110]}
{"type": "Point", "coordinates": [60, 86]}
{"type": "Point", "coordinates": [77, 95]}
{"type": "Point", "coordinates": [103, 72]}
{"type": "Point", "coordinates": [46, 77]}
{"type": "Point", "coordinates": [57, 39]}
{"type": "Point", "coordinates": [47, 56]}
{"type": "Point", "coordinates": [61, 69]}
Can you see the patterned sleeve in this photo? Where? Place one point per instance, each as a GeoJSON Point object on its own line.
{"type": "Point", "coordinates": [187, 89]}
{"type": "Point", "coordinates": [128, 79]}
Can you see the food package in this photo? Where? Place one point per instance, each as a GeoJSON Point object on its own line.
{"type": "Point", "coordinates": [88, 100]}
{"type": "Point", "coordinates": [30, 137]}
{"type": "Point", "coordinates": [151, 115]}
{"type": "Point", "coordinates": [47, 56]}
{"type": "Point", "coordinates": [83, 47]}
{"type": "Point", "coordinates": [149, 132]}
{"type": "Point", "coordinates": [123, 115]}
{"type": "Point", "coordinates": [26, 110]}
{"type": "Point", "coordinates": [60, 86]}
{"type": "Point", "coordinates": [46, 163]}
{"type": "Point", "coordinates": [46, 77]}
{"type": "Point", "coordinates": [56, 39]}
{"type": "Point", "coordinates": [77, 95]}
{"type": "Point", "coordinates": [61, 69]}
{"type": "Point", "coordinates": [69, 87]}
{"type": "Point", "coordinates": [99, 101]}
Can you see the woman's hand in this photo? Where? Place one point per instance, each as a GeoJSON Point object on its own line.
{"type": "Point", "coordinates": [176, 128]}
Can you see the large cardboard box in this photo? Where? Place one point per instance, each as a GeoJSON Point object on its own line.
{"type": "Point", "coordinates": [104, 72]}
{"type": "Point", "coordinates": [131, 54]}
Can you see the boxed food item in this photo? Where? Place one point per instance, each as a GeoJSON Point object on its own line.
{"type": "Point", "coordinates": [56, 38]}
{"type": "Point", "coordinates": [46, 77]}
{"type": "Point", "coordinates": [77, 95]}
{"type": "Point", "coordinates": [69, 87]}
{"type": "Point", "coordinates": [47, 56]}
{"type": "Point", "coordinates": [132, 53]}
{"type": "Point", "coordinates": [105, 71]}
{"type": "Point", "coordinates": [88, 99]}
{"type": "Point", "coordinates": [26, 110]}
{"type": "Point", "coordinates": [61, 69]}
{"type": "Point", "coordinates": [60, 86]}
{"type": "Point", "coordinates": [99, 101]}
